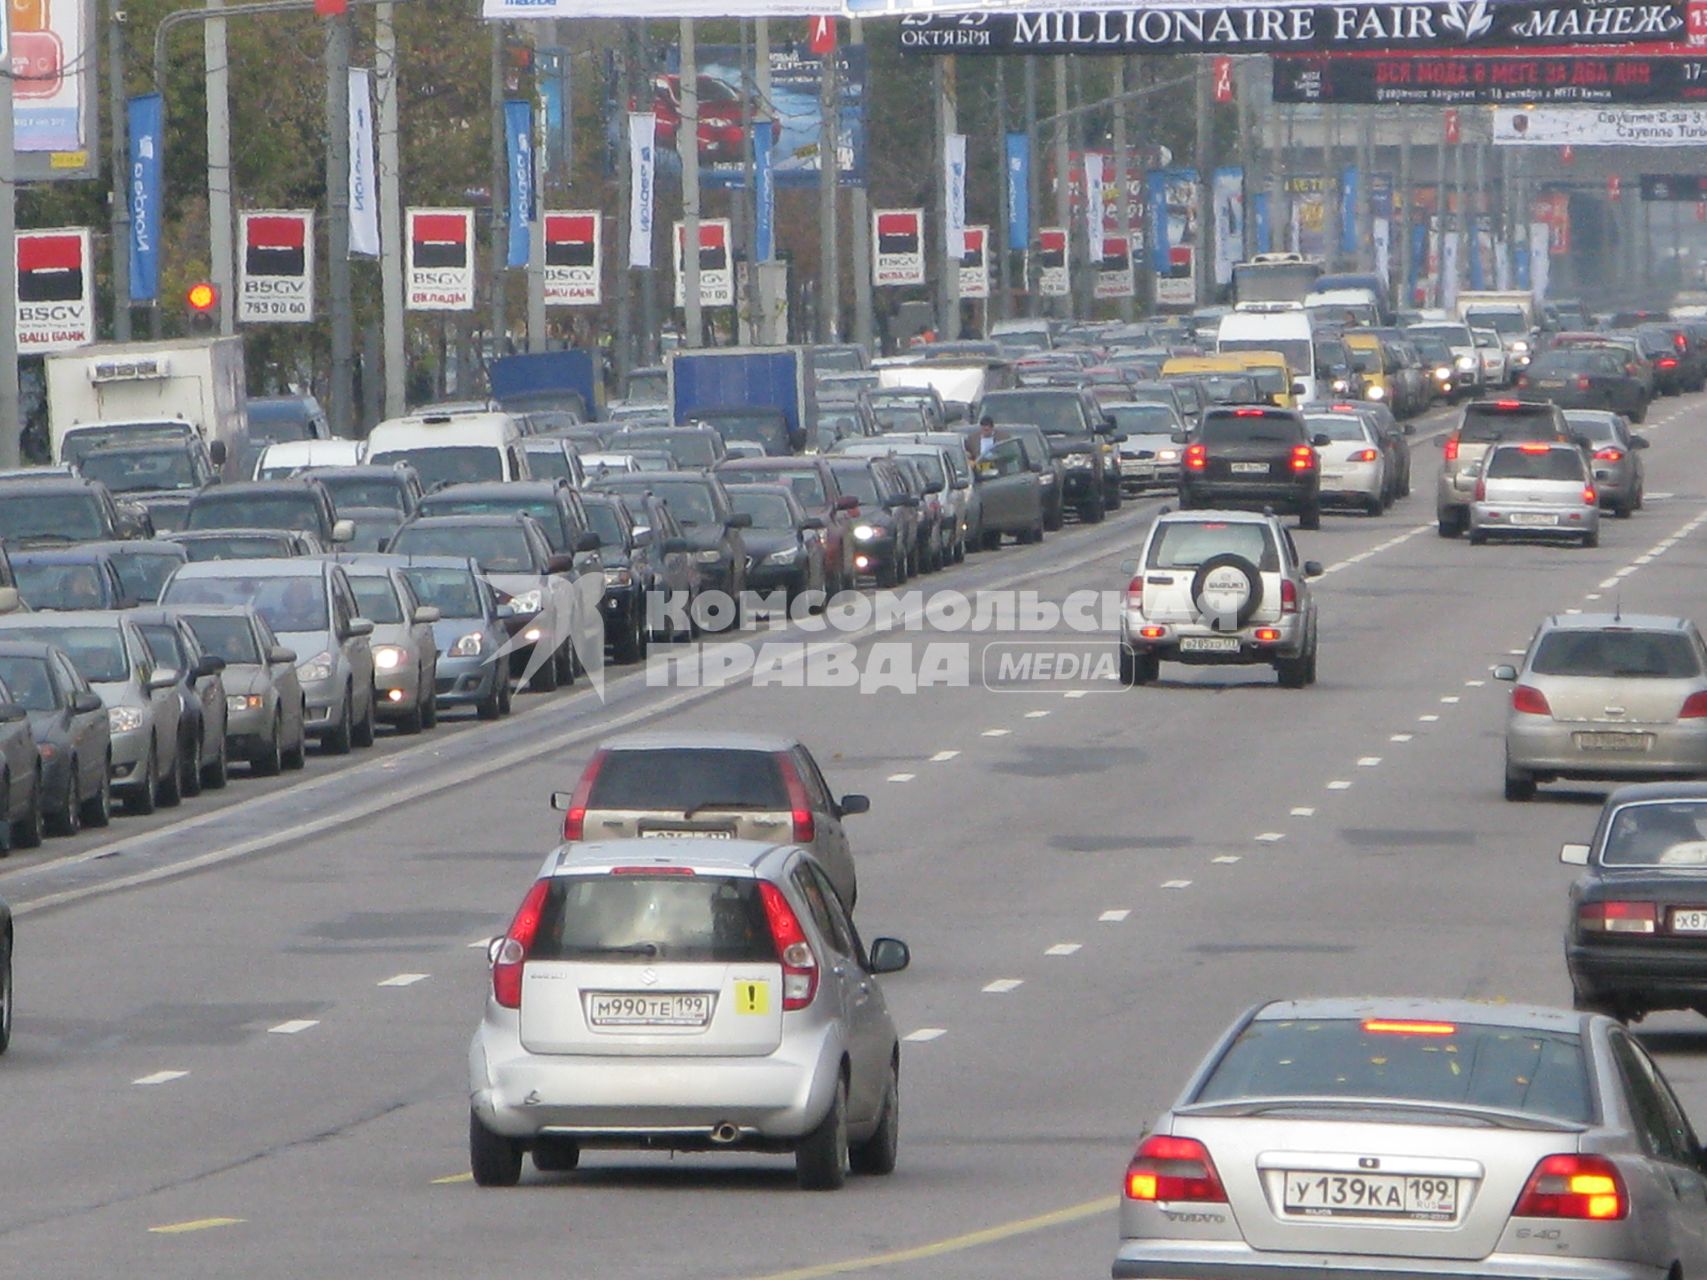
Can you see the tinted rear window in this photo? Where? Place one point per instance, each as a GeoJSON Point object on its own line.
{"type": "Point", "coordinates": [682, 779]}
{"type": "Point", "coordinates": [1537, 1072]}
{"type": "Point", "coordinates": [1185, 545]}
{"type": "Point", "coordinates": [1658, 655]}
{"type": "Point", "coordinates": [1485, 424]}
{"type": "Point", "coordinates": [1229, 428]}
{"type": "Point", "coordinates": [645, 919]}
{"type": "Point", "coordinates": [1518, 464]}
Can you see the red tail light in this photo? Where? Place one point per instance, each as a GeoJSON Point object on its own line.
{"type": "Point", "coordinates": [1481, 489]}
{"type": "Point", "coordinates": [1508, 404]}
{"type": "Point", "coordinates": [575, 818]}
{"type": "Point", "coordinates": [1583, 384]}
{"type": "Point", "coordinates": [1590, 497]}
{"type": "Point", "coordinates": [1523, 380]}
{"type": "Point", "coordinates": [1609, 454]}
{"type": "Point", "coordinates": [1573, 1186]}
{"type": "Point", "coordinates": [1303, 458]}
{"type": "Point", "coordinates": [513, 951]}
{"type": "Point", "coordinates": [1365, 455]}
{"type": "Point", "coordinates": [1694, 706]}
{"type": "Point", "coordinates": [1135, 592]}
{"type": "Point", "coordinates": [805, 825]}
{"type": "Point", "coordinates": [1452, 447]}
{"type": "Point", "coordinates": [1666, 362]}
{"type": "Point", "coordinates": [1533, 447]}
{"type": "Point", "coordinates": [1196, 457]}
{"type": "Point", "coordinates": [799, 965]}
{"type": "Point", "coordinates": [1680, 342]}
{"type": "Point", "coordinates": [1618, 917]}
{"type": "Point", "coordinates": [1166, 1168]}
{"type": "Point", "coordinates": [1530, 701]}
{"type": "Point", "coordinates": [1630, 368]}
{"type": "Point", "coordinates": [1288, 596]}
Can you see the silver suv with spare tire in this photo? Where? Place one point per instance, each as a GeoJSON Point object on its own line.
{"type": "Point", "coordinates": [1219, 588]}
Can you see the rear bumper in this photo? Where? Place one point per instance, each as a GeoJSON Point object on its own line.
{"type": "Point", "coordinates": [1226, 493]}
{"type": "Point", "coordinates": [1658, 976]}
{"type": "Point", "coordinates": [1235, 1260]}
{"type": "Point", "coordinates": [1288, 644]}
{"type": "Point", "coordinates": [1508, 519]}
{"type": "Point", "coordinates": [1549, 747]}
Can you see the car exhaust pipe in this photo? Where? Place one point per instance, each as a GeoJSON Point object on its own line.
{"type": "Point", "coordinates": [725, 1133]}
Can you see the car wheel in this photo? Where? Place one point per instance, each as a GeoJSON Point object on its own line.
{"type": "Point", "coordinates": [545, 679]}
{"type": "Point", "coordinates": [1519, 783]}
{"type": "Point", "coordinates": [630, 643]}
{"type": "Point", "coordinates": [217, 772]}
{"type": "Point", "coordinates": [1113, 498]}
{"type": "Point", "coordinates": [991, 539]}
{"type": "Point", "coordinates": [1375, 506]}
{"type": "Point", "coordinates": [1478, 539]}
{"type": "Point", "coordinates": [1294, 673]}
{"type": "Point", "coordinates": [190, 767]}
{"type": "Point", "coordinates": [29, 832]}
{"type": "Point", "coordinates": [1591, 540]}
{"type": "Point", "coordinates": [1310, 517]}
{"type": "Point", "coordinates": [146, 798]}
{"type": "Point", "coordinates": [1092, 512]}
{"type": "Point", "coordinates": [1449, 523]}
{"type": "Point", "coordinates": [337, 741]}
{"type": "Point", "coordinates": [876, 1155]}
{"type": "Point", "coordinates": [270, 759]}
{"type": "Point", "coordinates": [98, 808]}
{"type": "Point", "coordinates": [1054, 518]}
{"type": "Point", "coordinates": [361, 733]}
{"type": "Point", "coordinates": [430, 704]}
{"type": "Point", "coordinates": [171, 787]}
{"type": "Point", "coordinates": [565, 660]}
{"type": "Point", "coordinates": [411, 721]}
{"type": "Point", "coordinates": [68, 820]}
{"type": "Point", "coordinates": [5, 994]}
{"type": "Point", "coordinates": [297, 757]}
{"type": "Point", "coordinates": [1310, 666]}
{"type": "Point", "coordinates": [821, 1159]}
{"type": "Point", "coordinates": [495, 1161]}
{"type": "Point", "coordinates": [492, 705]}
{"type": "Point", "coordinates": [506, 697]}
{"type": "Point", "coordinates": [556, 1155]}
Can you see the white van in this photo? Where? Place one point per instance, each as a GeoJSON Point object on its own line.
{"type": "Point", "coordinates": [1285, 327]}
{"type": "Point", "coordinates": [452, 448]}
{"type": "Point", "coordinates": [287, 457]}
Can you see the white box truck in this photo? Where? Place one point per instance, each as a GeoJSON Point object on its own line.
{"type": "Point", "coordinates": [130, 391]}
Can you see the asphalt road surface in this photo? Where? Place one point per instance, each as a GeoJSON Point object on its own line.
{"type": "Point", "coordinates": [241, 1027]}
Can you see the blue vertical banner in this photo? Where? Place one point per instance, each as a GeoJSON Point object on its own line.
{"type": "Point", "coordinates": [1478, 273]}
{"type": "Point", "coordinates": [1259, 220]}
{"type": "Point", "coordinates": [1520, 264]}
{"type": "Point", "coordinates": [518, 147]}
{"type": "Point", "coordinates": [145, 118]}
{"type": "Point", "coordinates": [1419, 258]}
{"type": "Point", "coordinates": [557, 151]}
{"type": "Point", "coordinates": [764, 190]}
{"type": "Point", "coordinates": [1348, 209]}
{"type": "Point", "coordinates": [1019, 191]}
{"type": "Point", "coordinates": [1156, 188]}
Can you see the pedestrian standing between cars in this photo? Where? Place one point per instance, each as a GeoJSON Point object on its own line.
{"type": "Point", "coordinates": [981, 445]}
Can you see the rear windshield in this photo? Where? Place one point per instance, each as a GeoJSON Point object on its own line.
{"type": "Point", "coordinates": [453, 592]}
{"type": "Point", "coordinates": [97, 652]}
{"type": "Point", "coordinates": [229, 638]}
{"type": "Point", "coordinates": [363, 491]}
{"type": "Point", "coordinates": [1519, 464]}
{"type": "Point", "coordinates": [496, 549]}
{"type": "Point", "coordinates": [643, 919]}
{"type": "Point", "coordinates": [1528, 423]}
{"type": "Point", "coordinates": [1537, 1072]}
{"type": "Point", "coordinates": [448, 464]}
{"type": "Point", "coordinates": [240, 510]}
{"type": "Point", "coordinates": [1230, 428]}
{"type": "Point", "coordinates": [61, 586]}
{"type": "Point", "coordinates": [1655, 655]}
{"type": "Point", "coordinates": [29, 683]}
{"type": "Point", "coordinates": [238, 548]}
{"type": "Point", "coordinates": [377, 599]}
{"type": "Point", "coordinates": [1583, 359]}
{"type": "Point", "coordinates": [56, 517]}
{"type": "Point", "coordinates": [1595, 428]}
{"type": "Point", "coordinates": [1664, 834]}
{"type": "Point", "coordinates": [1185, 545]}
{"type": "Point", "coordinates": [680, 780]}
{"type": "Point", "coordinates": [549, 515]}
{"type": "Point", "coordinates": [143, 576]}
{"type": "Point", "coordinates": [1336, 427]}
{"type": "Point", "coordinates": [287, 603]}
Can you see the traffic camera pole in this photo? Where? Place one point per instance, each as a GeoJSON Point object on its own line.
{"type": "Point", "coordinates": [498, 256]}
{"type": "Point", "coordinates": [829, 283]}
{"type": "Point", "coordinates": [1033, 193]}
{"type": "Point", "coordinates": [1063, 162]}
{"type": "Point", "coordinates": [1205, 247]}
{"type": "Point", "coordinates": [1122, 205]}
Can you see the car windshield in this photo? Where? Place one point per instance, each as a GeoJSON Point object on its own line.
{"type": "Point", "coordinates": [279, 421]}
{"type": "Point", "coordinates": [691, 502]}
{"type": "Point", "coordinates": [546, 512]}
{"type": "Point", "coordinates": [373, 530]}
{"type": "Point", "coordinates": [448, 464]}
{"type": "Point", "coordinates": [646, 919]}
{"type": "Point", "coordinates": [496, 549]}
{"type": "Point", "coordinates": [142, 576]}
{"type": "Point", "coordinates": [1453, 335]}
{"type": "Point", "coordinates": [1513, 323]}
{"type": "Point", "coordinates": [163, 644]}
{"type": "Point", "coordinates": [768, 510]}
{"type": "Point", "coordinates": [377, 599]}
{"type": "Point", "coordinates": [239, 510]}
{"type": "Point", "coordinates": [1432, 350]}
{"type": "Point", "coordinates": [860, 483]}
{"type": "Point", "coordinates": [765, 429]}
{"type": "Point", "coordinates": [1669, 833]}
{"type": "Point", "coordinates": [1058, 413]}
{"type": "Point", "coordinates": [1145, 419]}
{"type": "Point", "coordinates": [59, 517]}
{"type": "Point", "coordinates": [1538, 1073]}
{"type": "Point", "coordinates": [1185, 544]}
{"type": "Point", "coordinates": [232, 639]}
{"type": "Point", "coordinates": [239, 547]}
{"type": "Point", "coordinates": [1365, 359]}
{"type": "Point", "coordinates": [605, 523]}
{"type": "Point", "coordinates": [1271, 380]}
{"type": "Point", "coordinates": [287, 603]}
{"type": "Point", "coordinates": [167, 515]}
{"type": "Point", "coordinates": [128, 471]}
{"type": "Point", "coordinates": [363, 491]}
{"type": "Point", "coordinates": [1536, 464]}
{"type": "Point", "coordinates": [61, 586]}
{"type": "Point", "coordinates": [1228, 388]}
{"type": "Point", "coordinates": [1595, 428]}
{"type": "Point", "coordinates": [453, 592]}
{"type": "Point", "coordinates": [807, 484]}
{"type": "Point", "coordinates": [1336, 426]}
{"type": "Point", "coordinates": [80, 442]}
{"type": "Point", "coordinates": [97, 652]}
{"type": "Point", "coordinates": [1616, 653]}
{"type": "Point", "coordinates": [550, 464]}
{"type": "Point", "coordinates": [30, 683]}
{"type": "Point", "coordinates": [682, 779]}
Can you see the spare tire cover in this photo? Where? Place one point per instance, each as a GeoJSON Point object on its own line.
{"type": "Point", "coordinates": [1226, 591]}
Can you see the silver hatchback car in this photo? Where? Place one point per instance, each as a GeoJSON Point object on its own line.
{"type": "Point", "coordinates": [708, 995]}
{"type": "Point", "coordinates": [1539, 488]}
{"type": "Point", "coordinates": [1364, 1138]}
{"type": "Point", "coordinates": [1603, 695]}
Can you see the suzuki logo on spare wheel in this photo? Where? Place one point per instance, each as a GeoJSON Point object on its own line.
{"type": "Point", "coordinates": [1226, 592]}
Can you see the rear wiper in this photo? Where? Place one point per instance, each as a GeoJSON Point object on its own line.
{"type": "Point", "coordinates": [623, 949]}
{"type": "Point", "coordinates": [695, 810]}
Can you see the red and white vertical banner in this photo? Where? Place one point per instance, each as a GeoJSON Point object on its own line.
{"type": "Point", "coordinates": [439, 273]}
{"type": "Point", "coordinates": [56, 290]}
{"type": "Point", "coordinates": [1054, 278]}
{"type": "Point", "coordinates": [574, 258]}
{"type": "Point", "coordinates": [1614, 188]}
{"type": "Point", "coordinates": [897, 246]}
{"type": "Point", "coordinates": [275, 277]}
{"type": "Point", "coordinates": [1452, 125]}
{"type": "Point", "coordinates": [716, 273]}
{"type": "Point", "coordinates": [1223, 79]}
{"type": "Point", "coordinates": [975, 263]}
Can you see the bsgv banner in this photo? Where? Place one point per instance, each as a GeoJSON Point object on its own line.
{"type": "Point", "coordinates": [1600, 127]}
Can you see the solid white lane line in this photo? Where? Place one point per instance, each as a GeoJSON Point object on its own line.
{"type": "Point", "coordinates": [942, 757]}
{"type": "Point", "coordinates": [161, 1077]}
{"type": "Point", "coordinates": [1063, 949]}
{"type": "Point", "coordinates": [1114, 916]}
{"type": "Point", "coordinates": [1001, 986]}
{"type": "Point", "coordinates": [1303, 811]}
{"type": "Point", "coordinates": [1176, 884]}
{"type": "Point", "coordinates": [925, 1033]}
{"type": "Point", "coordinates": [404, 980]}
{"type": "Point", "coordinates": [901, 777]}
{"type": "Point", "coordinates": [292, 1027]}
{"type": "Point", "coordinates": [1340, 784]}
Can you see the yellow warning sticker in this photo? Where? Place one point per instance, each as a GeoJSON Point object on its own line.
{"type": "Point", "coordinates": [752, 997]}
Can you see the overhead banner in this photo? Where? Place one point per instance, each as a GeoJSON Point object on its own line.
{"type": "Point", "coordinates": [1018, 154]}
{"type": "Point", "coordinates": [518, 149]}
{"type": "Point", "coordinates": [716, 270]}
{"type": "Point", "coordinates": [275, 278]}
{"type": "Point", "coordinates": [1054, 274]}
{"type": "Point", "coordinates": [440, 275]}
{"type": "Point", "coordinates": [56, 287]}
{"type": "Point", "coordinates": [145, 119]}
{"type": "Point", "coordinates": [642, 185]}
{"type": "Point", "coordinates": [975, 264]}
{"type": "Point", "coordinates": [574, 258]}
{"type": "Point", "coordinates": [1600, 127]}
{"type": "Point", "coordinates": [1445, 80]}
{"type": "Point", "coordinates": [954, 195]}
{"type": "Point", "coordinates": [1156, 26]}
{"type": "Point", "coordinates": [364, 190]}
{"type": "Point", "coordinates": [1114, 275]}
{"type": "Point", "coordinates": [897, 246]}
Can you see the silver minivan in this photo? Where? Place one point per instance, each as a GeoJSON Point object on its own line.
{"type": "Point", "coordinates": [703, 995]}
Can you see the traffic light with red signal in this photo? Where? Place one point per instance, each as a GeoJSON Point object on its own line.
{"type": "Point", "coordinates": [201, 301]}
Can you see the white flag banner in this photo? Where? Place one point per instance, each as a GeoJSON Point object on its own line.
{"type": "Point", "coordinates": [364, 191]}
{"type": "Point", "coordinates": [1094, 214]}
{"type": "Point", "coordinates": [1449, 270]}
{"type": "Point", "coordinates": [1540, 259]}
{"type": "Point", "coordinates": [1502, 264]}
{"type": "Point", "coordinates": [642, 132]}
{"type": "Point", "coordinates": [954, 196]}
{"type": "Point", "coordinates": [1382, 230]}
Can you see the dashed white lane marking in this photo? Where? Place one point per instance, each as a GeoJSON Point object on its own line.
{"type": "Point", "coordinates": [1593, 595]}
{"type": "Point", "coordinates": [404, 980]}
{"type": "Point", "coordinates": [996, 733]}
{"type": "Point", "coordinates": [943, 757]}
{"type": "Point", "coordinates": [901, 777]}
{"type": "Point", "coordinates": [1227, 859]}
{"type": "Point", "coordinates": [1114, 916]}
{"type": "Point", "coordinates": [1400, 737]}
{"type": "Point", "coordinates": [1075, 693]}
{"type": "Point", "coordinates": [1609, 583]}
{"type": "Point", "coordinates": [1625, 572]}
{"type": "Point", "coordinates": [1474, 684]}
{"type": "Point", "coordinates": [293, 1026]}
{"type": "Point", "coordinates": [479, 943]}
{"type": "Point", "coordinates": [161, 1077]}
{"type": "Point", "coordinates": [1271, 837]}
{"type": "Point", "coordinates": [1176, 884]}
{"type": "Point", "coordinates": [1303, 811]}
{"type": "Point", "coordinates": [1368, 762]}
{"type": "Point", "coordinates": [1001, 986]}
{"type": "Point", "coordinates": [1647, 559]}
{"type": "Point", "coordinates": [925, 1033]}
{"type": "Point", "coordinates": [1515, 653]}
{"type": "Point", "coordinates": [1450, 699]}
{"type": "Point", "coordinates": [1573, 610]}
{"type": "Point", "coordinates": [1035, 715]}
{"type": "Point", "coordinates": [1429, 719]}
{"type": "Point", "coordinates": [1340, 784]}
{"type": "Point", "coordinates": [1062, 949]}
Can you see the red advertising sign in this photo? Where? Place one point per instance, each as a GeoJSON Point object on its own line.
{"type": "Point", "coordinates": [572, 258]}
{"type": "Point", "coordinates": [56, 306]}
{"type": "Point", "coordinates": [1452, 124]}
{"type": "Point", "coordinates": [1223, 79]}
{"type": "Point", "coordinates": [1614, 188]}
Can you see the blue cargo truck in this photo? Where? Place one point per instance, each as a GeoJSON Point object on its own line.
{"type": "Point", "coordinates": [549, 380]}
{"type": "Point", "coordinates": [760, 394]}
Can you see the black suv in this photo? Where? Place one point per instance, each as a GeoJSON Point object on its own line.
{"type": "Point", "coordinates": [66, 509]}
{"type": "Point", "coordinates": [1076, 426]}
{"type": "Point", "coordinates": [1253, 457]}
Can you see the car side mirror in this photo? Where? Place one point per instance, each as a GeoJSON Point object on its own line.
{"type": "Point", "coordinates": [343, 531]}
{"type": "Point", "coordinates": [12, 713]}
{"type": "Point", "coordinates": [587, 542]}
{"type": "Point", "coordinates": [1574, 855]}
{"type": "Point", "coordinates": [360, 627]}
{"type": "Point", "coordinates": [561, 800]}
{"type": "Point", "coordinates": [427, 613]}
{"type": "Point", "coordinates": [1639, 442]}
{"type": "Point", "coordinates": [86, 702]}
{"type": "Point", "coordinates": [1105, 427]}
{"type": "Point", "coordinates": [163, 678]}
{"type": "Point", "coordinates": [812, 522]}
{"type": "Point", "coordinates": [740, 520]}
{"type": "Point", "coordinates": [1313, 568]}
{"type": "Point", "coordinates": [278, 656]}
{"type": "Point", "coordinates": [505, 612]}
{"type": "Point", "coordinates": [849, 805]}
{"type": "Point", "coordinates": [209, 664]}
{"type": "Point", "coordinates": [1321, 440]}
{"type": "Point", "coordinates": [1505, 671]}
{"type": "Point", "coordinates": [847, 502]}
{"type": "Point", "coordinates": [560, 564]}
{"type": "Point", "coordinates": [889, 955]}
{"type": "Point", "coordinates": [9, 600]}
{"type": "Point", "coordinates": [933, 487]}
{"type": "Point", "coordinates": [1180, 437]}
{"type": "Point", "coordinates": [676, 546]}
{"type": "Point", "coordinates": [1119, 437]}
